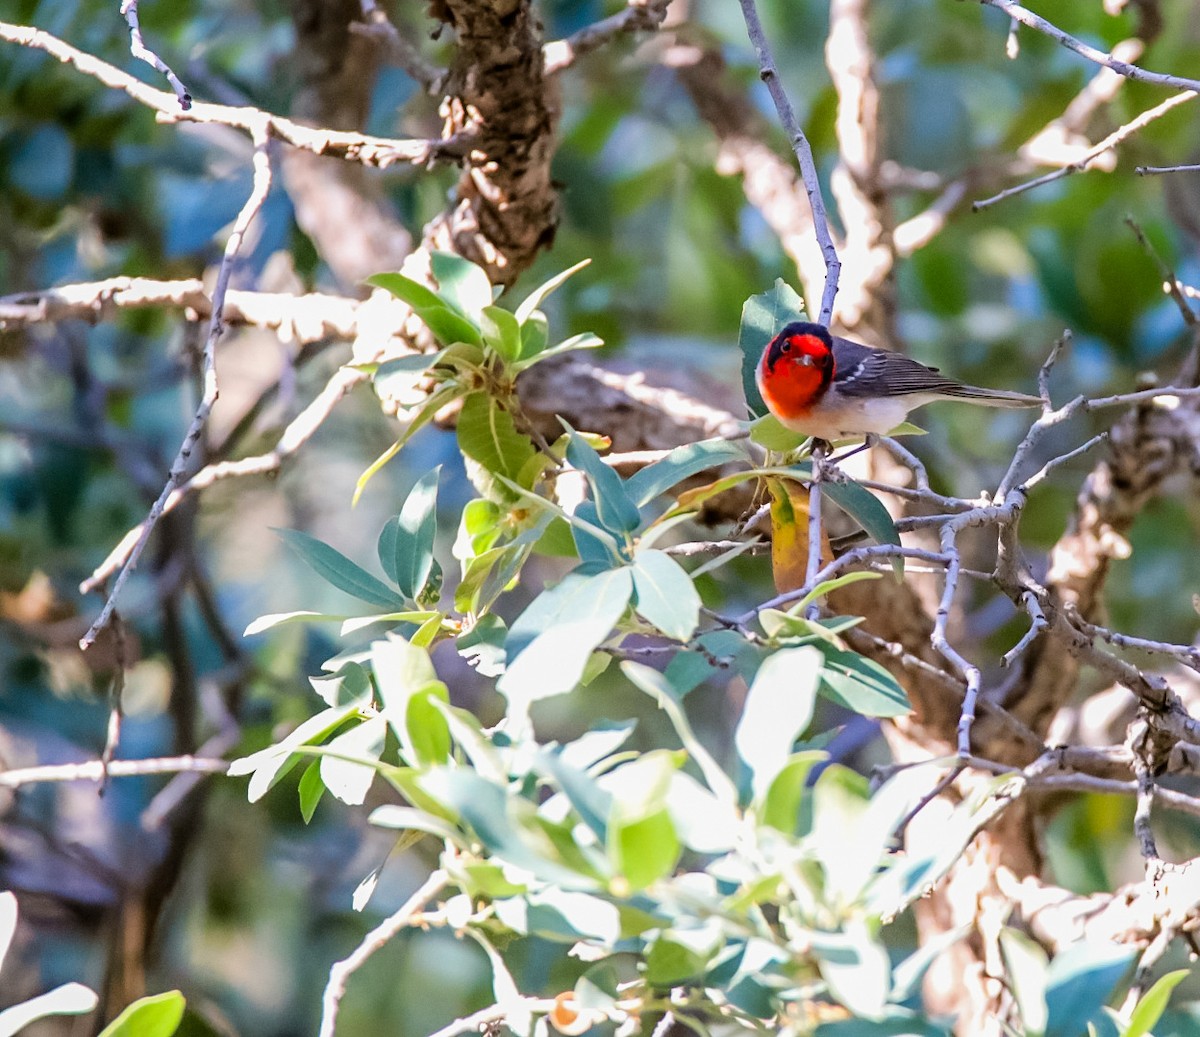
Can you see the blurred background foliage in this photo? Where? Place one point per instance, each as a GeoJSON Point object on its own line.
{"type": "Point", "coordinates": [90, 416]}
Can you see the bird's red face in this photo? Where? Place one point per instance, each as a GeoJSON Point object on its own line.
{"type": "Point", "coordinates": [796, 369]}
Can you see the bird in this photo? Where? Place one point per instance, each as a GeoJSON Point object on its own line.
{"type": "Point", "coordinates": [831, 388]}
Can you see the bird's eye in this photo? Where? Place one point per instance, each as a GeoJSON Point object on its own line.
{"type": "Point", "coordinates": [786, 347]}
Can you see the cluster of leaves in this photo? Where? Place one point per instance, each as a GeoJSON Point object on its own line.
{"type": "Point", "coordinates": [754, 891]}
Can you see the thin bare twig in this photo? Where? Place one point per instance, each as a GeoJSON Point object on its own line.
{"type": "Point", "coordinates": [340, 973]}
{"type": "Point", "coordinates": [95, 770]}
{"type": "Point", "coordinates": [1099, 57]}
{"type": "Point", "coordinates": [258, 195]}
{"type": "Point", "coordinates": [638, 16]}
{"type": "Point", "coordinates": [1107, 144]}
{"type": "Point", "coordinates": [814, 521]}
{"type": "Point", "coordinates": [808, 169]}
{"type": "Point", "coordinates": [138, 48]}
{"type": "Point", "coordinates": [378, 26]}
{"type": "Point", "coordinates": [297, 433]}
{"type": "Point", "coordinates": [355, 147]}
{"type": "Point", "coordinates": [1187, 167]}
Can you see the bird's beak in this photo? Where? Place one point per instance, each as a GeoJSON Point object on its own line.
{"type": "Point", "coordinates": [806, 361]}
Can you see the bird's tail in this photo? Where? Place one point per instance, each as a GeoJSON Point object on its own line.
{"type": "Point", "coordinates": [991, 397]}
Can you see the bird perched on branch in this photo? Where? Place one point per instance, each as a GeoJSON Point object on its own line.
{"type": "Point", "coordinates": [830, 388]}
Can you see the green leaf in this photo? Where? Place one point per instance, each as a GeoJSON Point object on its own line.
{"type": "Point", "coordinates": [436, 401]}
{"type": "Point", "coordinates": [312, 788]}
{"type": "Point", "coordinates": [335, 567]}
{"type": "Point", "coordinates": [778, 708]}
{"type": "Point", "coordinates": [861, 685]}
{"type": "Point", "coordinates": [680, 954]}
{"type": "Point", "coordinates": [505, 824]}
{"type": "Point", "coordinates": [396, 379]}
{"type": "Point", "coordinates": [681, 463]}
{"type": "Point", "coordinates": [656, 685]}
{"type": "Point", "coordinates": [552, 664]}
{"type": "Point", "coordinates": [592, 803]}
{"type": "Point", "coordinates": [1153, 1003]}
{"type": "Point", "coordinates": [770, 434]}
{"type": "Point", "coordinates": [1080, 980]}
{"type": "Point", "coordinates": [437, 310]}
{"type": "Point", "coordinates": [348, 763]}
{"type": "Point", "coordinates": [501, 332]}
{"type": "Point", "coordinates": [646, 849]}
{"type": "Point", "coordinates": [781, 805]}
{"type": "Point", "coordinates": [828, 587]}
{"type": "Point", "coordinates": [269, 765]}
{"type": "Point", "coordinates": [539, 295]}
{"type": "Point", "coordinates": [865, 508]}
{"type": "Point", "coordinates": [585, 340]}
{"type": "Point", "coordinates": [68, 999]}
{"type": "Point", "coordinates": [600, 597]}
{"type": "Point", "coordinates": [614, 507]}
{"type": "Point", "coordinates": [907, 428]}
{"type": "Point", "coordinates": [157, 1016]}
{"type": "Point", "coordinates": [406, 543]}
{"type": "Point", "coordinates": [409, 818]}
{"type": "Point", "coordinates": [664, 594]}
{"type": "Point", "coordinates": [535, 333]}
{"type": "Point", "coordinates": [488, 434]}
{"type": "Point", "coordinates": [763, 317]}
{"type": "Point", "coordinates": [461, 283]}
{"type": "Point", "coordinates": [418, 296]}
{"type": "Point", "coordinates": [855, 964]}
{"type": "Point", "coordinates": [428, 730]}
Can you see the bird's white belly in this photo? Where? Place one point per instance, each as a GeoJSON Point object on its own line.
{"type": "Point", "coordinates": [838, 419]}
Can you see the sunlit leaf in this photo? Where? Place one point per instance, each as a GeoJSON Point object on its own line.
{"type": "Point", "coordinates": [347, 770]}
{"type": "Point", "coordinates": [679, 464]}
{"type": "Point", "coordinates": [539, 295]}
{"type": "Point", "coordinates": [157, 1016]}
{"type": "Point", "coordinates": [664, 594]}
{"type": "Point", "coordinates": [777, 710]}
{"type": "Point", "coordinates": [1153, 1003]}
{"type": "Point", "coordinates": [501, 332]}
{"type": "Point", "coordinates": [461, 283]}
{"type": "Point", "coordinates": [488, 434]}
{"type": "Point", "coordinates": [68, 999]}
{"type": "Point", "coordinates": [768, 433]}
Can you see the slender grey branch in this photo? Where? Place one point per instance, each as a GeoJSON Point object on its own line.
{"type": "Point", "coordinates": [1093, 153]}
{"type": "Point", "coordinates": [1190, 167]}
{"type": "Point", "coordinates": [341, 972]}
{"type": "Point", "coordinates": [138, 48]}
{"type": "Point", "coordinates": [258, 195]}
{"type": "Point", "coordinates": [95, 770]}
{"type": "Point", "coordinates": [1099, 57]}
{"type": "Point", "coordinates": [804, 156]}
{"type": "Point", "coordinates": [638, 16]}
